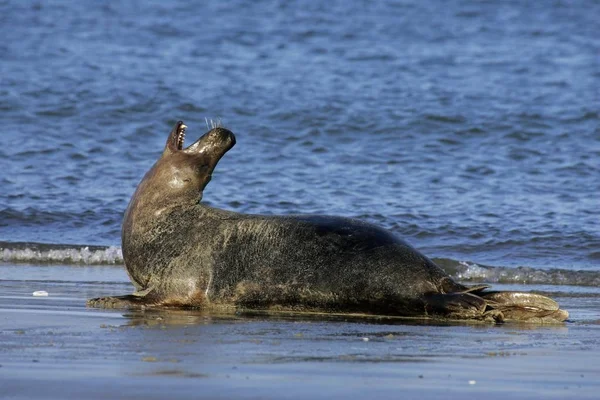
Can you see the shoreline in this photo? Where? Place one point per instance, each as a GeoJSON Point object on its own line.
{"type": "Point", "coordinates": [55, 347]}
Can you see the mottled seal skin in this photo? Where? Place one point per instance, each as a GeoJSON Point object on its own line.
{"type": "Point", "coordinates": [181, 253]}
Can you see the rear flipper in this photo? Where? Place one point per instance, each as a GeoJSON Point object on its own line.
{"type": "Point", "coordinates": [461, 306]}
{"type": "Point", "coordinates": [525, 307]}
{"type": "Point", "coordinates": [475, 304]}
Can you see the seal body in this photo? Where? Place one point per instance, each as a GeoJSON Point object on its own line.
{"type": "Point", "coordinates": [180, 252]}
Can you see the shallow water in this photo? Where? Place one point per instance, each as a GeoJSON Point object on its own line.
{"type": "Point", "coordinates": [471, 130]}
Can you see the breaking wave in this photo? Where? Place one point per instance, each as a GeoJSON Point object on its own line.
{"type": "Point", "coordinates": [465, 271]}
{"type": "Point", "coordinates": [41, 253]}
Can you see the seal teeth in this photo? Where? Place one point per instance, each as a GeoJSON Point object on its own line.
{"type": "Point", "coordinates": [181, 136]}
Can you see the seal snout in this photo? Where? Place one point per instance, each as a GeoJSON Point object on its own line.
{"type": "Point", "coordinates": [216, 141]}
{"type": "Point", "coordinates": [224, 136]}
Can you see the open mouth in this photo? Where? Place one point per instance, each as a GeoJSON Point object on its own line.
{"type": "Point", "coordinates": [181, 136]}
{"type": "Point", "coordinates": [216, 140]}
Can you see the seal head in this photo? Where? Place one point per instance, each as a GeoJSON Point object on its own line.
{"type": "Point", "coordinates": [181, 174]}
{"type": "Point", "coordinates": [174, 183]}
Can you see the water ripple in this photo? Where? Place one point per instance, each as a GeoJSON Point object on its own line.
{"type": "Point", "coordinates": [471, 133]}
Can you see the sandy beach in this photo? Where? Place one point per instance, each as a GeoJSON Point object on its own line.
{"type": "Point", "coordinates": [54, 348]}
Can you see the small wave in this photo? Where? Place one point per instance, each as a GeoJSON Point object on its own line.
{"type": "Point", "coordinates": [468, 271]}
{"type": "Point", "coordinates": [39, 253]}
{"type": "Point", "coordinates": [448, 119]}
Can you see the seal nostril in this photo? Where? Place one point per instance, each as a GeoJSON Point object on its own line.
{"type": "Point", "coordinates": [225, 135]}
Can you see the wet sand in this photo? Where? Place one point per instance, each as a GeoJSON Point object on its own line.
{"type": "Point", "coordinates": [55, 348]}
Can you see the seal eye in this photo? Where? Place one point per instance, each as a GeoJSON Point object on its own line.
{"type": "Point", "coordinates": [203, 169]}
{"type": "Point", "coordinates": [180, 136]}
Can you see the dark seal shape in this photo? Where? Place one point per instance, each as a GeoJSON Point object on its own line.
{"type": "Point", "coordinates": [181, 253]}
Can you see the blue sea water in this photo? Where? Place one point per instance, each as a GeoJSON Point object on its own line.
{"type": "Point", "coordinates": [469, 128]}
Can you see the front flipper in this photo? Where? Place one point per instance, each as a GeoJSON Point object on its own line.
{"type": "Point", "coordinates": [525, 307]}
{"type": "Point", "coordinates": [136, 300]}
{"type": "Point", "coordinates": [153, 298]}
{"type": "Point", "coordinates": [461, 306]}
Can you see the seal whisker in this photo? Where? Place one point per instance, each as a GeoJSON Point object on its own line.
{"type": "Point", "coordinates": [213, 123]}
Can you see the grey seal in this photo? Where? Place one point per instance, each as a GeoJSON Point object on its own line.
{"type": "Point", "coordinates": [180, 252]}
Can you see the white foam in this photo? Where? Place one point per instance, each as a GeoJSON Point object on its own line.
{"type": "Point", "coordinates": [469, 271]}
{"type": "Point", "coordinates": [75, 255]}
{"type": "Point", "coordinates": [472, 271]}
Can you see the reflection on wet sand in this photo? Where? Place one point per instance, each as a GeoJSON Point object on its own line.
{"type": "Point", "coordinates": [138, 353]}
